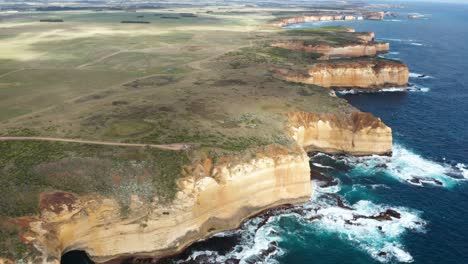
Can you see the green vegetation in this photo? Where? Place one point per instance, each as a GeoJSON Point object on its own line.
{"type": "Point", "coordinates": [315, 31]}
{"type": "Point", "coordinates": [204, 79]}
{"type": "Point", "coordinates": [29, 168]}
{"type": "Point", "coordinates": [270, 55]}
{"type": "Point", "coordinates": [127, 128]}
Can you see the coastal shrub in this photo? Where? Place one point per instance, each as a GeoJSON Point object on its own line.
{"type": "Point", "coordinates": [28, 168]}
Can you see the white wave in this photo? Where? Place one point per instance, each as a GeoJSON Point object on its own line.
{"type": "Point", "coordinates": [463, 169]}
{"type": "Point", "coordinates": [383, 90]}
{"type": "Point", "coordinates": [376, 186]}
{"type": "Point", "coordinates": [409, 167]}
{"type": "Point", "coordinates": [418, 88]}
{"type": "Point", "coordinates": [413, 88]}
{"type": "Point", "coordinates": [393, 89]}
{"type": "Point", "coordinates": [403, 41]}
{"type": "Point", "coordinates": [388, 56]}
{"type": "Point", "coordinates": [424, 89]}
{"type": "Point", "coordinates": [395, 250]}
{"type": "Point", "coordinates": [320, 154]}
{"type": "Point", "coordinates": [419, 75]}
{"type": "Point", "coordinates": [393, 39]}
{"type": "Point", "coordinates": [352, 91]}
{"type": "Point", "coordinates": [321, 166]}
{"type": "Point", "coordinates": [322, 215]}
{"type": "Point", "coordinates": [254, 240]}
{"type": "Point", "coordinates": [330, 189]}
{"type": "Point", "coordinates": [380, 239]}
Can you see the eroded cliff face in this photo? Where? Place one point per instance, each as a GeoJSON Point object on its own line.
{"type": "Point", "coordinates": [370, 15]}
{"type": "Point", "coordinates": [374, 15]}
{"type": "Point", "coordinates": [356, 133]}
{"type": "Point", "coordinates": [359, 74]}
{"type": "Point", "coordinates": [365, 36]}
{"type": "Point", "coordinates": [211, 199]}
{"type": "Point", "coordinates": [330, 52]}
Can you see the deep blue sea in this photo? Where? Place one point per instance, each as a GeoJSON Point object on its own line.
{"type": "Point", "coordinates": [425, 180]}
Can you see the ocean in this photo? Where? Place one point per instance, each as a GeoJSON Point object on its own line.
{"type": "Point", "coordinates": [421, 190]}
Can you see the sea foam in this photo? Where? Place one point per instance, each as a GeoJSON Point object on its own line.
{"type": "Point", "coordinates": [407, 166]}
{"type": "Point", "coordinates": [380, 239]}
{"type": "Point", "coordinates": [411, 88]}
{"type": "Point", "coordinates": [419, 76]}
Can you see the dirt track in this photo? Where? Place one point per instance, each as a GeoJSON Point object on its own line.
{"type": "Point", "coordinates": [176, 146]}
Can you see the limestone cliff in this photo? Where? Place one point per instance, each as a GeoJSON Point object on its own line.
{"type": "Point", "coordinates": [371, 15]}
{"type": "Point", "coordinates": [356, 133]}
{"type": "Point", "coordinates": [211, 199]}
{"type": "Point", "coordinates": [365, 36]}
{"type": "Point", "coordinates": [329, 52]}
{"type": "Point", "coordinates": [306, 18]}
{"type": "Point", "coordinates": [359, 74]}
{"type": "Point", "coordinates": [382, 46]}
{"type": "Point", "coordinates": [374, 15]}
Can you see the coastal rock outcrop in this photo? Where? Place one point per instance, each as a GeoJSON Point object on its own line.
{"type": "Point", "coordinates": [329, 52]}
{"type": "Point", "coordinates": [374, 15]}
{"type": "Point", "coordinates": [357, 133]}
{"type": "Point", "coordinates": [370, 15]}
{"type": "Point", "coordinates": [365, 36]}
{"type": "Point", "coordinates": [211, 198]}
{"type": "Point", "coordinates": [358, 74]}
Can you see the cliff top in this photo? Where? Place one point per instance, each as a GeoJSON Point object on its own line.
{"type": "Point", "coordinates": [184, 80]}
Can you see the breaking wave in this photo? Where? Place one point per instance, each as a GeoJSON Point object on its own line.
{"type": "Point", "coordinates": [358, 224]}
{"type": "Point", "coordinates": [403, 41]}
{"type": "Point", "coordinates": [255, 242]}
{"type": "Point", "coordinates": [333, 212]}
{"type": "Point", "coordinates": [407, 166]}
{"type": "Point", "coordinates": [411, 88]}
{"type": "Point", "coordinates": [376, 229]}
{"type": "Point", "coordinates": [419, 75]}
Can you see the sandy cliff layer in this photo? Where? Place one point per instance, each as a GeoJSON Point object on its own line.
{"type": "Point", "coordinates": [365, 36]}
{"type": "Point", "coordinates": [329, 52]}
{"type": "Point", "coordinates": [329, 17]}
{"type": "Point", "coordinates": [360, 74]}
{"type": "Point", "coordinates": [210, 200]}
{"type": "Point", "coordinates": [356, 133]}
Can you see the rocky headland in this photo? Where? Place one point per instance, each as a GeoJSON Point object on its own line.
{"type": "Point", "coordinates": [330, 16]}
{"type": "Point", "coordinates": [211, 197]}
{"type": "Point", "coordinates": [355, 134]}
{"type": "Point", "coordinates": [365, 36]}
{"type": "Point", "coordinates": [361, 74]}
{"type": "Point", "coordinates": [331, 52]}
{"type": "Point", "coordinates": [215, 192]}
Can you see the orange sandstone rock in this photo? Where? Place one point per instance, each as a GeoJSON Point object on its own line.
{"type": "Point", "coordinates": [360, 74]}
{"type": "Point", "coordinates": [356, 133]}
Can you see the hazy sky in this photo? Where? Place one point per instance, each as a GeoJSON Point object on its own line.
{"type": "Point", "coordinates": [430, 1]}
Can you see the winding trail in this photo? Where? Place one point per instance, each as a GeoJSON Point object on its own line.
{"type": "Point", "coordinates": [175, 146]}
{"type": "Point", "coordinates": [10, 72]}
